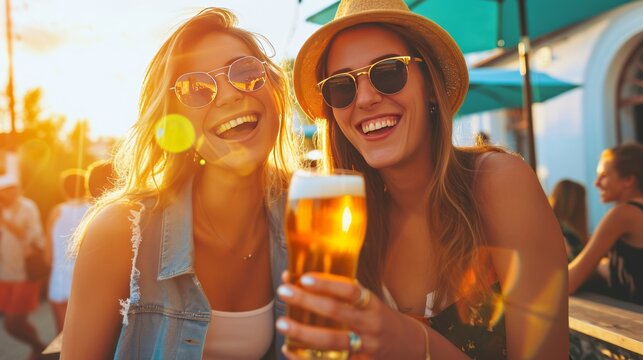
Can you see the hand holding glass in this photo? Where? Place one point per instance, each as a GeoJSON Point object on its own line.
{"type": "Point", "coordinates": [325, 228]}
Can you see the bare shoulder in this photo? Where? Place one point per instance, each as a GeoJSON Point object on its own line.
{"type": "Point", "coordinates": [109, 227]}
{"type": "Point", "coordinates": [503, 173]}
{"type": "Point", "coordinates": [513, 204]}
{"type": "Point", "coordinates": [101, 278]}
{"type": "Point", "coordinates": [54, 214]}
{"type": "Point", "coordinates": [107, 239]}
{"type": "Point", "coordinates": [623, 215]}
{"type": "Point", "coordinates": [625, 209]}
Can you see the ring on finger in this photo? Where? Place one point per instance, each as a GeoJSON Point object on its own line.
{"type": "Point", "coordinates": [364, 298]}
{"type": "Point", "coordinates": [354, 342]}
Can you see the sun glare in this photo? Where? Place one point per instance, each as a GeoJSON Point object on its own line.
{"type": "Point", "coordinates": [174, 133]}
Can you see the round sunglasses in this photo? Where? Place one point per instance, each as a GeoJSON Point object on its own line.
{"type": "Point", "coordinates": [388, 76]}
{"type": "Point", "coordinates": [198, 89]}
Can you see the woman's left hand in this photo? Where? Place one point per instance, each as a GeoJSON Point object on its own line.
{"type": "Point", "coordinates": [383, 332]}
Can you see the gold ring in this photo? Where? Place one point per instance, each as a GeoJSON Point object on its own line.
{"type": "Point", "coordinates": [354, 342]}
{"type": "Point", "coordinates": [364, 298]}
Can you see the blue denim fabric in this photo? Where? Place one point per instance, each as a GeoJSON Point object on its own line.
{"type": "Point", "coordinates": [167, 318]}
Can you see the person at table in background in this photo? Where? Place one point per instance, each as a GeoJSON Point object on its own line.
{"type": "Point", "coordinates": [100, 178]}
{"type": "Point", "coordinates": [20, 229]}
{"type": "Point", "coordinates": [481, 139]}
{"type": "Point", "coordinates": [619, 235]}
{"type": "Point", "coordinates": [569, 201]}
{"type": "Point", "coordinates": [192, 239]}
{"type": "Point", "coordinates": [62, 221]}
{"type": "Point", "coordinates": [461, 239]}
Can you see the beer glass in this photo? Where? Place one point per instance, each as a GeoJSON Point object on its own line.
{"type": "Point", "coordinates": [325, 226]}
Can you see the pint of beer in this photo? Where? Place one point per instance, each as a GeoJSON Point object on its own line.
{"type": "Point", "coordinates": [325, 227]}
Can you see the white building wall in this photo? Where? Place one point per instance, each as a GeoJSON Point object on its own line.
{"type": "Point", "coordinates": [572, 129]}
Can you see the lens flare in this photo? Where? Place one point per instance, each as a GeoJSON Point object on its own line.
{"type": "Point", "coordinates": [174, 133]}
{"type": "Point", "coordinates": [346, 219]}
{"type": "Point", "coordinates": [539, 321]}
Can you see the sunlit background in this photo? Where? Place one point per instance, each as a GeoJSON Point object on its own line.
{"type": "Point", "coordinates": [89, 57]}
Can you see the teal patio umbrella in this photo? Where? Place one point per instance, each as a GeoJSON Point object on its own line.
{"type": "Point", "coordinates": [486, 24]}
{"type": "Point", "coordinates": [478, 25]}
{"type": "Point", "coordinates": [492, 89]}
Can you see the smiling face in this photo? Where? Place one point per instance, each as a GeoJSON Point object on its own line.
{"type": "Point", "coordinates": [611, 185]}
{"type": "Point", "coordinates": [238, 129]}
{"type": "Point", "coordinates": [388, 130]}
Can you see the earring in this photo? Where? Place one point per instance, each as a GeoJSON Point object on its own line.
{"type": "Point", "coordinates": [433, 108]}
{"type": "Point", "coordinates": [197, 158]}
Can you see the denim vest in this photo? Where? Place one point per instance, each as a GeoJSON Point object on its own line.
{"type": "Point", "coordinates": [167, 314]}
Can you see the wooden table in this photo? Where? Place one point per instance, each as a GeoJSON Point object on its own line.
{"type": "Point", "coordinates": [612, 321]}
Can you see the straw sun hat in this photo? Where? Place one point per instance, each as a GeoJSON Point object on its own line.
{"type": "Point", "coordinates": [445, 52]}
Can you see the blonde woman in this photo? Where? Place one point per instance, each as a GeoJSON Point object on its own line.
{"type": "Point", "coordinates": [462, 240]}
{"type": "Point", "coordinates": [181, 259]}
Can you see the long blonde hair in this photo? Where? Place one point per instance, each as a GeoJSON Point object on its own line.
{"type": "Point", "coordinates": [144, 169]}
{"type": "Point", "coordinates": [454, 219]}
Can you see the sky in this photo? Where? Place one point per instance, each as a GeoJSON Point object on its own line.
{"type": "Point", "coordinates": [89, 57]}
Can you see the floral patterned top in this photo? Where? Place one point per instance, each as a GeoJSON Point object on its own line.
{"type": "Point", "coordinates": [481, 335]}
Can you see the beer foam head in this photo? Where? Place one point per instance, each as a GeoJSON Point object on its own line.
{"type": "Point", "coordinates": [310, 185]}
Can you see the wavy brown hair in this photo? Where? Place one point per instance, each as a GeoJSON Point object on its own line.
{"type": "Point", "coordinates": [454, 219]}
{"type": "Point", "coordinates": [144, 169]}
{"type": "Point", "coordinates": [568, 199]}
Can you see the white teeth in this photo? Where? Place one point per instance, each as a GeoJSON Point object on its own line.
{"type": "Point", "coordinates": [234, 123]}
{"type": "Point", "coordinates": [373, 125]}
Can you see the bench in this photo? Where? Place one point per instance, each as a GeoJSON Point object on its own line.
{"type": "Point", "coordinates": [618, 325]}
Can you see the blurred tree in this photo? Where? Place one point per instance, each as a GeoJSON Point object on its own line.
{"type": "Point", "coordinates": [78, 143]}
{"type": "Point", "coordinates": [44, 151]}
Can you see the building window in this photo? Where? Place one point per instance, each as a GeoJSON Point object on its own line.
{"type": "Point", "coordinates": [629, 117]}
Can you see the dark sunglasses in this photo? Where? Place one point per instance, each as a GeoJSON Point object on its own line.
{"type": "Point", "coordinates": [388, 76]}
{"type": "Point", "coordinates": [198, 89]}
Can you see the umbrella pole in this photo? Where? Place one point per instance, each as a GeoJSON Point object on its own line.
{"type": "Point", "coordinates": [523, 51]}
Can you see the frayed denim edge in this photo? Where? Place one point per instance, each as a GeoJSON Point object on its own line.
{"type": "Point", "coordinates": [134, 290]}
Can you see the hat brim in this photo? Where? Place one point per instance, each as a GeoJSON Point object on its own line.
{"type": "Point", "coordinates": [446, 54]}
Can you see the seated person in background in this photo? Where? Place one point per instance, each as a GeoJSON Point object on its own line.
{"type": "Point", "coordinates": [62, 222]}
{"type": "Point", "coordinates": [482, 139]}
{"type": "Point", "coordinates": [620, 233]}
{"type": "Point", "coordinates": [568, 199]}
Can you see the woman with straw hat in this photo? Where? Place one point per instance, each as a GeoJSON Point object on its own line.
{"type": "Point", "coordinates": [462, 240]}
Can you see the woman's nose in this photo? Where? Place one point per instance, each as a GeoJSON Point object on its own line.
{"type": "Point", "coordinates": [226, 93]}
{"type": "Point", "coordinates": [366, 95]}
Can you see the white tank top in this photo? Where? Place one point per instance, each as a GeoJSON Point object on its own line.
{"type": "Point", "coordinates": [62, 267]}
{"type": "Point", "coordinates": [241, 335]}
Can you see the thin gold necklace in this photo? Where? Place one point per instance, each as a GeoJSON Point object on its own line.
{"type": "Point", "coordinates": [251, 255]}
